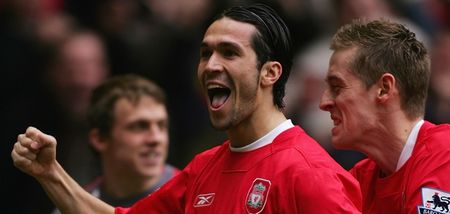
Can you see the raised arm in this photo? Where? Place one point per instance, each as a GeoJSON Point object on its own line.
{"type": "Point", "coordinates": [35, 154]}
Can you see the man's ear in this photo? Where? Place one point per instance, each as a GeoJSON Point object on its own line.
{"type": "Point", "coordinates": [270, 73]}
{"type": "Point", "coordinates": [97, 141]}
{"type": "Point", "coordinates": [386, 87]}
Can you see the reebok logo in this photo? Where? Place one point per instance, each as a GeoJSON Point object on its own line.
{"type": "Point", "coordinates": [204, 200]}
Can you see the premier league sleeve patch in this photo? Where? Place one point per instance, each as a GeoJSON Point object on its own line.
{"type": "Point", "coordinates": [257, 195]}
{"type": "Point", "coordinates": [434, 201]}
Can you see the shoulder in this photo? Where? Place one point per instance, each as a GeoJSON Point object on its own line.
{"type": "Point", "coordinates": [434, 133]}
{"type": "Point", "coordinates": [210, 153]}
{"type": "Point", "coordinates": [303, 158]}
{"type": "Point", "coordinates": [435, 138]}
{"type": "Point", "coordinates": [204, 158]}
{"type": "Point", "coordinates": [297, 139]}
{"type": "Point", "coordinates": [304, 151]}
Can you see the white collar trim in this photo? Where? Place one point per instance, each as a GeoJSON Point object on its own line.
{"type": "Point", "coordinates": [266, 139]}
{"type": "Point", "coordinates": [409, 146]}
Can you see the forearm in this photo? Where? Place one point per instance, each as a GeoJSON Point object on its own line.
{"type": "Point", "coordinates": [70, 197]}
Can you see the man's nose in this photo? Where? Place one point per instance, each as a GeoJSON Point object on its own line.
{"type": "Point", "coordinates": [326, 101]}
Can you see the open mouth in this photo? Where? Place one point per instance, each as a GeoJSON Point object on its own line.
{"type": "Point", "coordinates": [336, 120]}
{"type": "Point", "coordinates": [150, 158]}
{"type": "Point", "coordinates": [218, 95]}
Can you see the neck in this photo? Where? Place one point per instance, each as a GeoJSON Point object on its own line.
{"type": "Point", "coordinates": [121, 183]}
{"type": "Point", "coordinates": [256, 126]}
{"type": "Point", "coordinates": [385, 143]}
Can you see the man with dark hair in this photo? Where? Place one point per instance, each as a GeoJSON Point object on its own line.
{"type": "Point", "coordinates": [377, 85]}
{"type": "Point", "coordinates": [267, 165]}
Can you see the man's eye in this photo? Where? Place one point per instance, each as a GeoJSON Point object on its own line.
{"type": "Point", "coordinates": [138, 126]}
{"type": "Point", "coordinates": [163, 125]}
{"type": "Point", "coordinates": [205, 53]}
{"type": "Point", "coordinates": [335, 89]}
{"type": "Point", "coordinates": [229, 53]}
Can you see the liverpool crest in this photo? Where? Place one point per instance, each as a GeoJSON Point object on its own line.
{"type": "Point", "coordinates": [257, 195]}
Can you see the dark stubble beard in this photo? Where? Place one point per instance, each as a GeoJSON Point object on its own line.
{"type": "Point", "coordinates": [245, 109]}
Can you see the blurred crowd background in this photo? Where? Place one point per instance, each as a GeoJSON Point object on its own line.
{"type": "Point", "coordinates": [54, 52]}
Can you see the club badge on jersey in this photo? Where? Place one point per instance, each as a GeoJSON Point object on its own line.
{"type": "Point", "coordinates": [257, 195]}
{"type": "Point", "coordinates": [434, 201]}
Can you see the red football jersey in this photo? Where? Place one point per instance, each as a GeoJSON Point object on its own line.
{"type": "Point", "coordinates": [293, 174]}
{"type": "Point", "coordinates": [415, 186]}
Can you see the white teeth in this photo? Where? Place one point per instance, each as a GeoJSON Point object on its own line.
{"type": "Point", "coordinates": [212, 86]}
{"type": "Point", "coordinates": [151, 155]}
{"type": "Point", "coordinates": [336, 122]}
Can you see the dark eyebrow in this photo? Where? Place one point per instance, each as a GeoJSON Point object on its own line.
{"type": "Point", "coordinates": [332, 78]}
{"type": "Point", "coordinates": [223, 44]}
{"type": "Point", "coordinates": [229, 45]}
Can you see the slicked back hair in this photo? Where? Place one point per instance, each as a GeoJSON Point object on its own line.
{"type": "Point", "coordinates": [272, 42]}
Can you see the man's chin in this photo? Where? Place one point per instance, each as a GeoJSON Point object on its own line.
{"type": "Point", "coordinates": [337, 143]}
{"type": "Point", "coordinates": [217, 125]}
